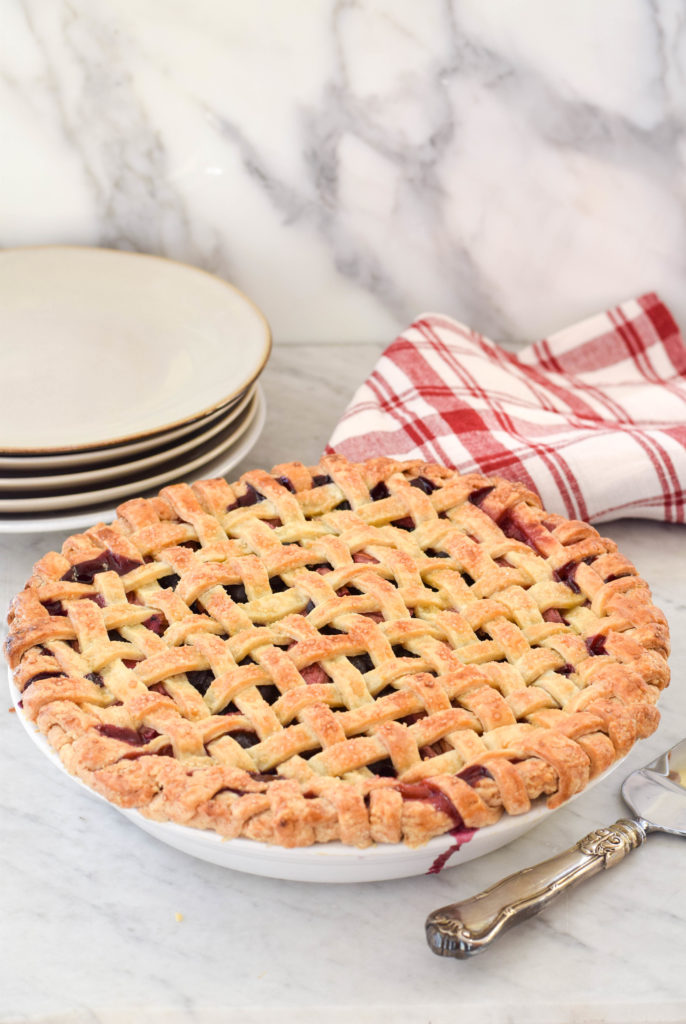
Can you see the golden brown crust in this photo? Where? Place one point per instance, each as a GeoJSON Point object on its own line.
{"type": "Point", "coordinates": [293, 659]}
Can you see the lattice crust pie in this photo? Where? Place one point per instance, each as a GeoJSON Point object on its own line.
{"type": "Point", "coordinates": [371, 653]}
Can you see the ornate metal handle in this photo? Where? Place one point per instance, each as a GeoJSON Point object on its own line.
{"type": "Point", "coordinates": [463, 929]}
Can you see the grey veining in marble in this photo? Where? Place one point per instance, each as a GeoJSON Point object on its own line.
{"type": "Point", "coordinates": [355, 162]}
{"type": "Point", "coordinates": [89, 932]}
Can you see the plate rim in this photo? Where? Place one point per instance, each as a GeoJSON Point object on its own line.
{"type": "Point", "coordinates": [66, 519]}
{"type": "Point", "coordinates": [125, 468]}
{"type": "Point", "coordinates": [158, 479]}
{"type": "Point", "coordinates": [163, 428]}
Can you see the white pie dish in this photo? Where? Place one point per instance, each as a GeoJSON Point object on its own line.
{"type": "Point", "coordinates": [326, 862]}
{"type": "Point", "coordinates": [84, 514]}
{"type": "Point", "coordinates": [171, 342]}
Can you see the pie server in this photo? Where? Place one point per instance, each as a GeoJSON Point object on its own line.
{"type": "Point", "coordinates": [656, 796]}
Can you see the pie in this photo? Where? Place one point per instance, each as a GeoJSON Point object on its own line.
{"type": "Point", "coordinates": [373, 652]}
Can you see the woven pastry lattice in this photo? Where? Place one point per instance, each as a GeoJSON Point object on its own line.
{"type": "Point", "coordinates": [375, 652]}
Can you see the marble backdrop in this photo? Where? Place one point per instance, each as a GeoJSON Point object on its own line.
{"type": "Point", "coordinates": [351, 163]}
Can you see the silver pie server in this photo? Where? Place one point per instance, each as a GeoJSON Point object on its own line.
{"type": "Point", "coordinates": [656, 796]}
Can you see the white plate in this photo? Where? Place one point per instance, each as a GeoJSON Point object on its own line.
{"type": "Point", "coordinates": [327, 862]}
{"type": "Point", "coordinates": [88, 515]}
{"type": "Point", "coordinates": [65, 481]}
{"type": "Point", "coordinates": [102, 346]}
{"type": "Point", "coordinates": [177, 467]}
{"type": "Point", "coordinates": [99, 456]}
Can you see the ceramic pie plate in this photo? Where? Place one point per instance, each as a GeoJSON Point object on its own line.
{"type": "Point", "coordinates": [85, 514]}
{"type": "Point", "coordinates": [326, 862]}
{"type": "Point", "coordinates": [156, 343]}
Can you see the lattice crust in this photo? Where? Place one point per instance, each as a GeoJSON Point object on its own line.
{"type": "Point", "coordinates": [374, 652]}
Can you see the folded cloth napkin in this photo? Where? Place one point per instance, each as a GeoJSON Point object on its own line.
{"type": "Point", "coordinates": [593, 417]}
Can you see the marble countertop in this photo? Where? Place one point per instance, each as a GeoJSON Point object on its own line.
{"type": "Point", "coordinates": [517, 166]}
{"type": "Point", "coordinates": [89, 929]}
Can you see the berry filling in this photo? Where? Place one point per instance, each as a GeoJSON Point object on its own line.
{"type": "Point", "coordinates": [135, 738]}
{"type": "Point", "coordinates": [461, 836]}
{"type": "Point", "coordinates": [156, 623]}
{"type": "Point", "coordinates": [362, 662]}
{"type": "Point", "coordinates": [379, 492]}
{"type": "Point", "coordinates": [54, 608]}
{"type": "Point", "coordinates": [320, 480]}
{"type": "Point", "coordinates": [201, 679]}
{"type": "Point", "coordinates": [107, 561]}
{"type": "Point", "coordinates": [553, 615]}
{"type": "Point", "coordinates": [363, 557]}
{"type": "Point", "coordinates": [433, 795]}
{"type": "Point", "coordinates": [96, 678]}
{"type": "Point", "coordinates": [565, 574]}
{"type": "Point", "coordinates": [314, 674]}
{"type": "Point", "coordinates": [383, 768]}
{"type": "Point", "coordinates": [168, 582]}
{"type": "Point", "coordinates": [402, 652]}
{"type": "Point", "coordinates": [277, 585]}
{"type": "Point", "coordinates": [44, 675]}
{"type": "Point", "coordinates": [244, 738]}
{"type": "Point", "coordinates": [424, 485]}
{"type": "Point", "coordinates": [406, 523]}
{"type": "Point", "coordinates": [472, 773]}
{"type": "Point", "coordinates": [477, 496]}
{"type": "Point", "coordinates": [269, 692]}
{"type": "Point", "coordinates": [285, 482]}
{"type": "Point", "coordinates": [251, 497]}
{"type": "Point", "coordinates": [596, 644]}
{"type": "Point", "coordinates": [236, 592]}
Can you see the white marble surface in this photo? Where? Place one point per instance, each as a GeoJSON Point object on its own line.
{"type": "Point", "coordinates": [88, 930]}
{"type": "Point", "coordinates": [351, 163]}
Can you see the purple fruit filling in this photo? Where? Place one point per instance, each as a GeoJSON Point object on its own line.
{"type": "Point", "coordinates": [236, 592]}
{"type": "Point", "coordinates": [54, 608]}
{"type": "Point", "coordinates": [107, 561]}
{"type": "Point", "coordinates": [156, 623]}
{"type": "Point", "coordinates": [433, 795]}
{"type": "Point", "coordinates": [244, 738]}
{"type": "Point", "coordinates": [201, 679]}
{"type": "Point", "coordinates": [135, 738]}
{"type": "Point", "coordinates": [477, 496]}
{"type": "Point", "coordinates": [362, 662]}
{"type": "Point", "coordinates": [596, 644]}
{"type": "Point", "coordinates": [379, 492]}
{"type": "Point", "coordinates": [472, 773]}
{"type": "Point", "coordinates": [424, 485]}
{"type": "Point", "coordinates": [251, 497]}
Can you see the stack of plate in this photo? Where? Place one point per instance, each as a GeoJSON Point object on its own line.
{"type": "Point", "coordinates": [121, 373]}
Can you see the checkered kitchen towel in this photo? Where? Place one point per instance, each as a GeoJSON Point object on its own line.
{"type": "Point", "coordinates": [593, 417]}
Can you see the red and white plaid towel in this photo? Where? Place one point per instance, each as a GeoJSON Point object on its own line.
{"type": "Point", "coordinates": [593, 418]}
